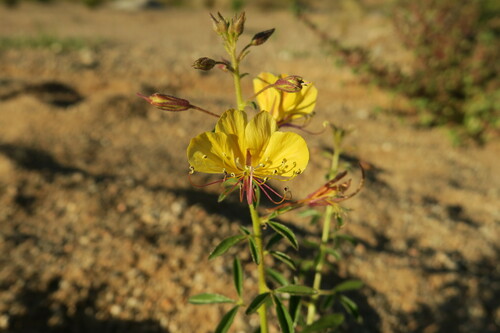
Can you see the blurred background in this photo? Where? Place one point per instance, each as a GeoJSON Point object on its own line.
{"type": "Point", "coordinates": [101, 230]}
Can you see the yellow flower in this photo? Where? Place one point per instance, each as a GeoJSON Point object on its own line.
{"type": "Point", "coordinates": [251, 152]}
{"type": "Point", "coordinates": [283, 106]}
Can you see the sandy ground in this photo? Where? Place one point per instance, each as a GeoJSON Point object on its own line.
{"type": "Point", "coordinates": [101, 231]}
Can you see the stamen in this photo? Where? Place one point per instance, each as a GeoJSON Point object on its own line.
{"type": "Point", "coordinates": [191, 169]}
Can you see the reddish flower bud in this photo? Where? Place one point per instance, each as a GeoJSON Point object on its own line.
{"type": "Point", "coordinates": [166, 102]}
{"type": "Point", "coordinates": [289, 84]}
{"type": "Point", "coordinates": [205, 64]}
{"type": "Point", "coordinates": [261, 37]}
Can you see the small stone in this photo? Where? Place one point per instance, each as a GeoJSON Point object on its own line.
{"type": "Point", "coordinates": [115, 309]}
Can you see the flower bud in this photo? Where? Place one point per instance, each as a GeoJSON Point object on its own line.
{"type": "Point", "coordinates": [239, 24]}
{"type": "Point", "coordinates": [220, 25]}
{"type": "Point", "coordinates": [261, 37]}
{"type": "Point", "coordinates": [289, 84]}
{"type": "Point", "coordinates": [167, 102]}
{"type": "Point", "coordinates": [205, 64]}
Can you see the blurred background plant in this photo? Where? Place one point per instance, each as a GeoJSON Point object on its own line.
{"type": "Point", "coordinates": [453, 80]}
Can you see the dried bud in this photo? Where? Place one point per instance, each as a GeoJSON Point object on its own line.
{"type": "Point", "coordinates": [205, 64]}
{"type": "Point", "coordinates": [289, 84]}
{"type": "Point", "coordinates": [261, 37]}
{"type": "Point", "coordinates": [166, 102]}
{"type": "Point", "coordinates": [239, 24]}
{"type": "Point", "coordinates": [220, 25]}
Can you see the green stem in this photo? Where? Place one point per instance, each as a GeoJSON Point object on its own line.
{"type": "Point", "coordinates": [235, 62]}
{"type": "Point", "coordinates": [311, 308]}
{"type": "Point", "coordinates": [325, 236]}
{"type": "Point", "coordinates": [261, 269]}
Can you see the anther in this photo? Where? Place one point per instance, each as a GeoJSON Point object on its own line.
{"type": "Point", "coordinates": [191, 169]}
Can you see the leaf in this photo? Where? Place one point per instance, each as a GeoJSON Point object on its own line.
{"type": "Point", "coordinates": [331, 321]}
{"type": "Point", "coordinates": [348, 285]}
{"type": "Point", "coordinates": [327, 302]}
{"type": "Point", "coordinates": [225, 245]}
{"type": "Point", "coordinates": [312, 244]}
{"type": "Point", "coordinates": [315, 219]}
{"type": "Point", "coordinates": [309, 212]}
{"type": "Point", "coordinates": [284, 318]}
{"type": "Point", "coordinates": [238, 276]}
{"type": "Point", "coordinates": [333, 252]}
{"type": "Point", "coordinates": [295, 289]}
{"type": "Point", "coordinates": [276, 276]}
{"type": "Point", "coordinates": [294, 307]}
{"type": "Point", "coordinates": [284, 258]}
{"type": "Point", "coordinates": [244, 230]}
{"type": "Point", "coordinates": [275, 239]}
{"type": "Point", "coordinates": [209, 299]}
{"type": "Point", "coordinates": [257, 302]}
{"type": "Point", "coordinates": [286, 232]}
{"type": "Point", "coordinates": [340, 221]}
{"type": "Point", "coordinates": [227, 320]}
{"type": "Point", "coordinates": [253, 250]}
{"type": "Point", "coordinates": [229, 188]}
{"type": "Point", "coordinates": [348, 238]}
{"type": "Point", "coordinates": [350, 307]}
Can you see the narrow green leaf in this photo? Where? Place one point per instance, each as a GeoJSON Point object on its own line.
{"type": "Point", "coordinates": [312, 244]}
{"type": "Point", "coordinates": [309, 212]}
{"type": "Point", "coordinates": [284, 258]}
{"type": "Point", "coordinates": [276, 276]}
{"type": "Point", "coordinates": [284, 318]}
{"type": "Point", "coordinates": [257, 302]}
{"type": "Point", "coordinates": [340, 221]}
{"type": "Point", "coordinates": [257, 194]}
{"type": "Point", "coordinates": [229, 188]}
{"type": "Point", "coordinates": [227, 320]}
{"type": "Point", "coordinates": [286, 232]}
{"type": "Point", "coordinates": [331, 321]}
{"type": "Point", "coordinates": [238, 276]}
{"type": "Point", "coordinates": [244, 230]}
{"type": "Point", "coordinates": [294, 308]}
{"type": "Point", "coordinates": [315, 219]}
{"type": "Point", "coordinates": [350, 307]}
{"type": "Point", "coordinates": [294, 289]}
{"type": "Point", "coordinates": [348, 285]}
{"type": "Point", "coordinates": [333, 252]}
{"type": "Point", "coordinates": [327, 302]}
{"type": "Point", "coordinates": [225, 245]}
{"type": "Point", "coordinates": [274, 240]}
{"type": "Point", "coordinates": [253, 250]}
{"type": "Point", "coordinates": [209, 299]}
{"type": "Point", "coordinates": [348, 238]}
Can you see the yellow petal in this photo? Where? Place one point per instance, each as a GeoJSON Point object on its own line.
{"type": "Point", "coordinates": [233, 122]}
{"type": "Point", "coordinates": [257, 134]}
{"type": "Point", "coordinates": [301, 103]}
{"type": "Point", "coordinates": [213, 153]}
{"type": "Point", "coordinates": [287, 153]}
{"type": "Point", "coordinates": [270, 99]}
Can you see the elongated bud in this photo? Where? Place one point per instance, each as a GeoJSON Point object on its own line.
{"type": "Point", "coordinates": [261, 37]}
{"type": "Point", "coordinates": [290, 84]}
{"type": "Point", "coordinates": [239, 24]}
{"type": "Point", "coordinates": [167, 102]}
{"type": "Point", "coordinates": [220, 25]}
{"type": "Point", "coordinates": [205, 64]}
